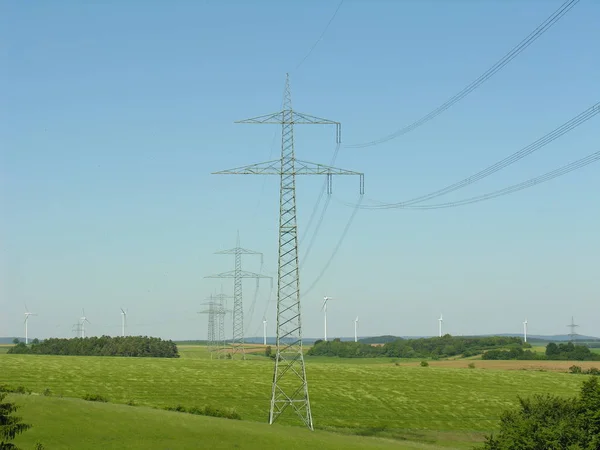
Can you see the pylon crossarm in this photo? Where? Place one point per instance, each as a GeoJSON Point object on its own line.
{"type": "Point", "coordinates": [264, 119]}
{"type": "Point", "coordinates": [233, 251]}
{"type": "Point", "coordinates": [242, 274]}
{"type": "Point", "coordinates": [309, 168]}
{"type": "Point", "coordinates": [264, 168]}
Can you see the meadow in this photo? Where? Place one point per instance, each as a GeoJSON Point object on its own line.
{"type": "Point", "coordinates": [446, 404]}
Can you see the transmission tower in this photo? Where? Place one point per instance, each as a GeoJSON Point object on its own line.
{"type": "Point", "coordinates": [220, 328]}
{"type": "Point", "coordinates": [215, 310]}
{"type": "Point", "coordinates": [290, 387]}
{"type": "Point", "coordinates": [572, 326]}
{"type": "Point", "coordinates": [77, 329]}
{"type": "Point", "coordinates": [237, 345]}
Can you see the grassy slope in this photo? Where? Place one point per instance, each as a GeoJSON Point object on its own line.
{"type": "Point", "coordinates": [71, 423]}
{"type": "Point", "coordinates": [447, 405]}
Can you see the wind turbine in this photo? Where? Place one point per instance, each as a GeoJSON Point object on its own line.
{"type": "Point", "coordinates": [264, 331]}
{"type": "Point", "coordinates": [123, 321]}
{"type": "Point", "coordinates": [440, 320]}
{"type": "Point", "coordinates": [83, 321]}
{"type": "Point", "coordinates": [27, 314]}
{"type": "Point", "coordinates": [525, 331]}
{"type": "Point", "coordinates": [324, 308]}
{"type": "Point", "coordinates": [356, 329]}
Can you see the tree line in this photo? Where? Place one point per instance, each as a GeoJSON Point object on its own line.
{"type": "Point", "coordinates": [436, 347]}
{"type": "Point", "coordinates": [554, 352]}
{"type": "Point", "coordinates": [132, 346]}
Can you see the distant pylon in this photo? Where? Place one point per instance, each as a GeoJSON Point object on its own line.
{"type": "Point", "coordinates": [215, 311]}
{"type": "Point", "coordinates": [290, 387]}
{"type": "Point", "coordinates": [238, 308]}
{"type": "Point", "coordinates": [221, 311]}
{"type": "Point", "coordinates": [572, 326]}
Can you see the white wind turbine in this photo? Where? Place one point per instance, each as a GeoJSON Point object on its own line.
{"type": "Point", "coordinates": [356, 329]}
{"type": "Point", "coordinates": [83, 321]}
{"type": "Point", "coordinates": [525, 331]}
{"type": "Point", "coordinates": [440, 320]}
{"type": "Point", "coordinates": [264, 331]}
{"type": "Point", "coordinates": [324, 308]}
{"type": "Point", "coordinates": [123, 321]}
{"type": "Point", "coordinates": [27, 314]}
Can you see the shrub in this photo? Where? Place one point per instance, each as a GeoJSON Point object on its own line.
{"type": "Point", "coordinates": [47, 392]}
{"type": "Point", "coordinates": [424, 364]}
{"type": "Point", "coordinates": [95, 398]}
{"type": "Point", "coordinates": [471, 365]}
{"type": "Point", "coordinates": [10, 425]}
{"type": "Point", "coordinates": [575, 369]}
{"type": "Point", "coordinates": [268, 351]}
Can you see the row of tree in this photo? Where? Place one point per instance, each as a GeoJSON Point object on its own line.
{"type": "Point", "coordinates": [554, 352]}
{"type": "Point", "coordinates": [437, 347]}
{"type": "Point", "coordinates": [133, 346]}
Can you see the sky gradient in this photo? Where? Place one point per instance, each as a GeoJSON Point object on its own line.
{"type": "Point", "coordinates": [114, 115]}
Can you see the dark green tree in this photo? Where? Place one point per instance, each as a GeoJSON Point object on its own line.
{"type": "Point", "coordinates": [10, 425]}
{"type": "Point", "coordinates": [550, 422]}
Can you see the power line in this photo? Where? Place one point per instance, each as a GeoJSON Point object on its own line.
{"type": "Point", "coordinates": [337, 247]}
{"type": "Point", "coordinates": [321, 36]}
{"type": "Point", "coordinates": [520, 186]}
{"type": "Point", "coordinates": [499, 65]}
{"type": "Point", "coordinates": [541, 142]}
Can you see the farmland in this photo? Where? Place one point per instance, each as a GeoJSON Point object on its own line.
{"type": "Point", "coordinates": [445, 404]}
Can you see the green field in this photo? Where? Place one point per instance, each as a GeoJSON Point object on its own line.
{"type": "Point", "coordinates": [71, 423]}
{"type": "Point", "coordinates": [443, 406]}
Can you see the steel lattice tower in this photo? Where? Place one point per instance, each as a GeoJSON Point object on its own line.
{"type": "Point", "coordinates": [290, 387]}
{"type": "Point", "coordinates": [220, 312]}
{"type": "Point", "coordinates": [572, 326]}
{"type": "Point", "coordinates": [238, 308]}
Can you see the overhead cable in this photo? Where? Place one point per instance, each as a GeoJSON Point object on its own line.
{"type": "Point", "coordinates": [535, 34]}
{"type": "Point", "coordinates": [520, 186]}
{"type": "Point", "coordinates": [540, 143]}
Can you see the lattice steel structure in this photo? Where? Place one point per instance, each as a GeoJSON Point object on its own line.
{"type": "Point", "coordinates": [215, 311]}
{"type": "Point", "coordinates": [290, 387]}
{"type": "Point", "coordinates": [237, 344]}
{"type": "Point", "coordinates": [572, 335]}
{"type": "Point", "coordinates": [221, 344]}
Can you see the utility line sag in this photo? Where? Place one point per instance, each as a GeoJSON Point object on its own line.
{"type": "Point", "coordinates": [540, 143]}
{"type": "Point", "coordinates": [520, 186]}
{"type": "Point", "coordinates": [499, 65]}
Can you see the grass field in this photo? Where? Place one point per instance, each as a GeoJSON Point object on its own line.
{"type": "Point", "coordinates": [445, 404]}
{"type": "Point", "coordinates": [71, 423]}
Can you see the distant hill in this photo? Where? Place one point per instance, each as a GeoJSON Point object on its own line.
{"type": "Point", "coordinates": [9, 340]}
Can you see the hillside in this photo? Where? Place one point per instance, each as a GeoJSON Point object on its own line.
{"type": "Point", "coordinates": [65, 423]}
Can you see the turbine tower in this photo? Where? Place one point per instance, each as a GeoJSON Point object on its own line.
{"type": "Point", "coordinates": [525, 331]}
{"type": "Point", "coordinates": [572, 326]}
{"type": "Point", "coordinates": [238, 308]}
{"type": "Point", "coordinates": [27, 314]}
{"type": "Point", "coordinates": [324, 309]}
{"type": "Point", "coordinates": [123, 321]}
{"type": "Point", "coordinates": [290, 387]}
{"type": "Point", "coordinates": [82, 321]}
{"type": "Point", "coordinates": [356, 329]}
{"type": "Point", "coordinates": [440, 320]}
{"type": "Point", "coordinates": [264, 331]}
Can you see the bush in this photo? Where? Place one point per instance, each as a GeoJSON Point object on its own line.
{"type": "Point", "coordinates": [268, 351]}
{"type": "Point", "coordinates": [47, 392]}
{"type": "Point", "coordinates": [95, 398]}
{"type": "Point", "coordinates": [551, 422]}
{"type": "Point", "coordinates": [424, 364]}
{"type": "Point", "coordinates": [471, 365]}
{"type": "Point", "coordinates": [575, 369]}
{"type": "Point", "coordinates": [206, 411]}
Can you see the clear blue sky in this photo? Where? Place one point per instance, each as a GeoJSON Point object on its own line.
{"type": "Point", "coordinates": [115, 114]}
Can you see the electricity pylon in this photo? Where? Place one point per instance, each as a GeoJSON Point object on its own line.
{"type": "Point", "coordinates": [290, 387]}
{"type": "Point", "coordinates": [215, 311]}
{"type": "Point", "coordinates": [237, 345]}
{"type": "Point", "coordinates": [221, 311]}
{"type": "Point", "coordinates": [572, 326]}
